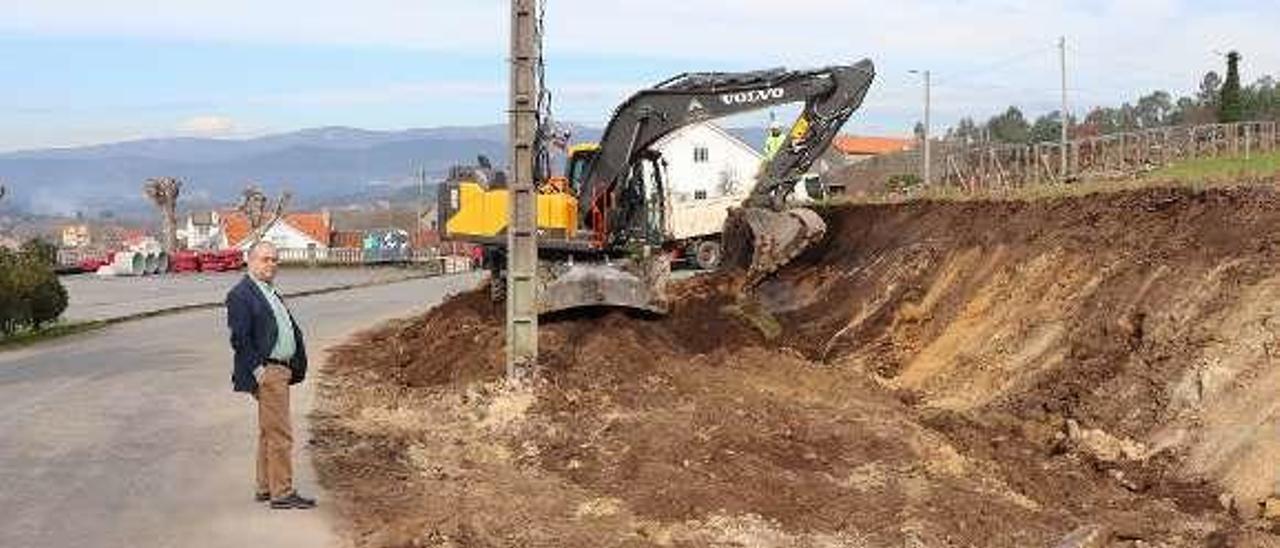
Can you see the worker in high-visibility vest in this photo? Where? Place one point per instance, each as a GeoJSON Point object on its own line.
{"type": "Point", "coordinates": [773, 143]}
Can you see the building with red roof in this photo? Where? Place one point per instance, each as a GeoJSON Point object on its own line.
{"type": "Point", "coordinates": [307, 230]}
{"type": "Point", "coordinates": [856, 148]}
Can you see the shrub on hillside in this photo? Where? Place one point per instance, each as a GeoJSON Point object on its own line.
{"type": "Point", "coordinates": [41, 251]}
{"type": "Point", "coordinates": [46, 297]}
{"type": "Point", "coordinates": [13, 309]}
{"type": "Point", "coordinates": [31, 296]}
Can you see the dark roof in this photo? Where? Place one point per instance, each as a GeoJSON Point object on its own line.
{"type": "Point", "coordinates": [202, 218]}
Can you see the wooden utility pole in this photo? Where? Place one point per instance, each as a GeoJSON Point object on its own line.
{"type": "Point", "coordinates": [1062, 140]}
{"type": "Point", "coordinates": [522, 243]}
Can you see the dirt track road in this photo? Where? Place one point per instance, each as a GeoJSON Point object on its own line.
{"type": "Point", "coordinates": [131, 436]}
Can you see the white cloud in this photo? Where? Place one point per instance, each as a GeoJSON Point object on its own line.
{"type": "Point", "coordinates": [1119, 48]}
{"type": "Point", "coordinates": [351, 96]}
{"type": "Point", "coordinates": [208, 125]}
{"type": "Point", "coordinates": [491, 91]}
{"type": "Point", "coordinates": [742, 30]}
{"type": "Point", "coordinates": [430, 24]}
{"type": "Point", "coordinates": [942, 33]}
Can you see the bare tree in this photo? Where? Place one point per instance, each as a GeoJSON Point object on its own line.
{"type": "Point", "coordinates": [253, 203]}
{"type": "Point", "coordinates": [1, 192]}
{"type": "Point", "coordinates": [255, 206]}
{"type": "Point", "coordinates": [277, 212]}
{"type": "Point", "coordinates": [163, 192]}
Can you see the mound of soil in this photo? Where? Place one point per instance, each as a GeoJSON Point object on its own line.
{"type": "Point", "coordinates": [948, 374]}
{"type": "Point", "coordinates": [1147, 316]}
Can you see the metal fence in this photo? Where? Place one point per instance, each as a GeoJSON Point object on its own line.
{"type": "Point", "coordinates": [430, 257]}
{"type": "Point", "coordinates": [1119, 155]}
{"type": "Point", "coordinates": [352, 256]}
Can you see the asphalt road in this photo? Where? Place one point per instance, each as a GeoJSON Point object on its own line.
{"type": "Point", "coordinates": [131, 437]}
{"type": "Point", "coordinates": [92, 297]}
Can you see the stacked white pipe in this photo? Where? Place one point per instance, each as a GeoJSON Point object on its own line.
{"type": "Point", "coordinates": [141, 259]}
{"type": "Point", "coordinates": [154, 256]}
{"type": "Point", "coordinates": [162, 262]}
{"type": "Point", "coordinates": [125, 263]}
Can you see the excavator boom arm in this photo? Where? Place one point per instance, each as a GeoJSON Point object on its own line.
{"type": "Point", "coordinates": [830, 94]}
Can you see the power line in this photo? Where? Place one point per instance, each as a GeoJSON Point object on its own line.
{"type": "Point", "coordinates": [1110, 85]}
{"type": "Point", "coordinates": [1111, 59]}
{"type": "Point", "coordinates": [990, 67]}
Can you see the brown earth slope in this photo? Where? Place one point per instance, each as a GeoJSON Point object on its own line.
{"type": "Point", "coordinates": [949, 374]}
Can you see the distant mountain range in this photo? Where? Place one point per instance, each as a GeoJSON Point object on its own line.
{"type": "Point", "coordinates": [318, 165]}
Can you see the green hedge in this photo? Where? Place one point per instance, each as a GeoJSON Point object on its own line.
{"type": "Point", "coordinates": [31, 297]}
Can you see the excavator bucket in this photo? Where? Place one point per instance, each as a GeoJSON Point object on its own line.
{"type": "Point", "coordinates": [586, 285]}
{"type": "Point", "coordinates": [759, 240]}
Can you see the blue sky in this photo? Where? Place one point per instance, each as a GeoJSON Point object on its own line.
{"type": "Point", "coordinates": [80, 72]}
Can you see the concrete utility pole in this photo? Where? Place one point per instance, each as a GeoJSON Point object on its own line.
{"type": "Point", "coordinates": [927, 167]}
{"type": "Point", "coordinates": [522, 243]}
{"type": "Point", "coordinates": [1066, 119]}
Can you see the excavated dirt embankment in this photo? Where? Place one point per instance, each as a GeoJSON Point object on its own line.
{"type": "Point", "coordinates": [1092, 371]}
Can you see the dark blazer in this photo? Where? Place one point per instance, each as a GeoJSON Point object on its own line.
{"type": "Point", "coordinates": [253, 335]}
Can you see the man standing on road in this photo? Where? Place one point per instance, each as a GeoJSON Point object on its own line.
{"type": "Point", "coordinates": [269, 356]}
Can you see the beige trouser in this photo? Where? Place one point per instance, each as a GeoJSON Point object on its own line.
{"type": "Point", "coordinates": [275, 434]}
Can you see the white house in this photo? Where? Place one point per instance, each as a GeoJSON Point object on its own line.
{"type": "Point", "coordinates": [293, 231]}
{"type": "Point", "coordinates": [708, 171]}
{"type": "Point", "coordinates": [706, 162]}
{"type": "Point", "coordinates": [75, 236]}
{"type": "Point", "coordinates": [202, 231]}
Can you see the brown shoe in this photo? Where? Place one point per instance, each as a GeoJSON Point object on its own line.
{"type": "Point", "coordinates": [261, 496]}
{"type": "Point", "coordinates": [293, 501]}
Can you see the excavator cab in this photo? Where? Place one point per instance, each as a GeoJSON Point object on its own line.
{"type": "Point", "coordinates": [640, 212]}
{"type": "Point", "coordinates": [582, 264]}
{"type": "Point", "coordinates": [579, 160]}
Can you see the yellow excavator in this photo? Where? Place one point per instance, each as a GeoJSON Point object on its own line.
{"type": "Point", "coordinates": [600, 240]}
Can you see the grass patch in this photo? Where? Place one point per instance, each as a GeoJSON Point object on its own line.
{"type": "Point", "coordinates": [55, 331]}
{"type": "Point", "coordinates": [1199, 174]}
{"type": "Point", "coordinates": [1226, 167]}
